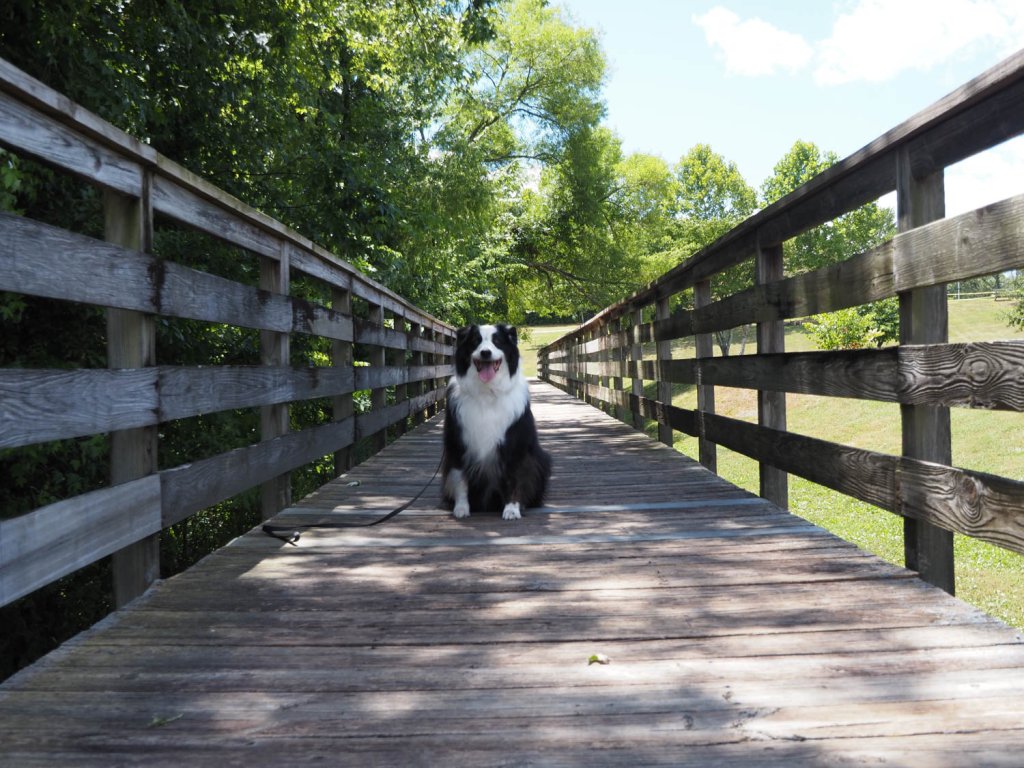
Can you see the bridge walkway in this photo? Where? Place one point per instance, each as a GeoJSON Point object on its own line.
{"type": "Point", "coordinates": [651, 614]}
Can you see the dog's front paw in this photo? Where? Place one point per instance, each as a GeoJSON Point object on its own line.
{"type": "Point", "coordinates": [511, 511]}
{"type": "Point", "coordinates": [461, 510]}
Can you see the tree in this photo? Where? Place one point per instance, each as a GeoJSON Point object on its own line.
{"type": "Point", "coordinates": [835, 241]}
{"type": "Point", "coordinates": [712, 197]}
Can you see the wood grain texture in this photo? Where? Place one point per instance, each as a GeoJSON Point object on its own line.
{"type": "Point", "coordinates": [201, 484]}
{"type": "Point", "coordinates": [42, 137]}
{"type": "Point", "coordinates": [737, 635]}
{"type": "Point", "coordinates": [187, 207]}
{"type": "Point", "coordinates": [53, 541]}
{"type": "Point", "coordinates": [190, 391]}
{"type": "Point", "coordinates": [42, 260]}
{"type": "Point", "coordinates": [41, 405]}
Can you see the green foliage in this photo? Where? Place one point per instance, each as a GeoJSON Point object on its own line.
{"type": "Point", "coordinates": [1015, 315]}
{"type": "Point", "coordinates": [873, 324]}
{"type": "Point", "coordinates": [837, 240]}
{"type": "Point", "coordinates": [711, 189]}
{"type": "Point", "coordinates": [10, 181]}
{"type": "Point", "coordinates": [885, 316]}
{"type": "Point", "coordinates": [843, 329]}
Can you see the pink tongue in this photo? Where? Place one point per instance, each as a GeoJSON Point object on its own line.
{"type": "Point", "coordinates": [486, 373]}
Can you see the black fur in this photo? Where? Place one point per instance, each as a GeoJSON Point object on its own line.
{"type": "Point", "coordinates": [468, 339]}
{"type": "Point", "coordinates": [519, 469]}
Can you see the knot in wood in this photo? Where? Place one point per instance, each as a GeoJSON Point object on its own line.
{"type": "Point", "coordinates": [969, 501]}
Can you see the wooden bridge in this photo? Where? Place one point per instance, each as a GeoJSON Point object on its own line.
{"type": "Point", "coordinates": [651, 614]}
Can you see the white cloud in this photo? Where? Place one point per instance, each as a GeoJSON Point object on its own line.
{"type": "Point", "coordinates": [870, 41]}
{"type": "Point", "coordinates": [878, 39]}
{"type": "Point", "coordinates": [753, 47]}
{"type": "Point", "coordinates": [985, 178]}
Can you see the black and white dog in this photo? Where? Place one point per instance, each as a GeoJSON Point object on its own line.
{"type": "Point", "coordinates": [492, 457]}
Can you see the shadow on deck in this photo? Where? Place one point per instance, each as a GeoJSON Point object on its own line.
{"type": "Point", "coordinates": [738, 635]}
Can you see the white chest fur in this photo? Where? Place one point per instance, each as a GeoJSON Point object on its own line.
{"type": "Point", "coordinates": [486, 412]}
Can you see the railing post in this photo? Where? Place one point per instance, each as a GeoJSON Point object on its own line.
{"type": "Point", "coordinates": [621, 357]}
{"type": "Point", "coordinates": [771, 406]}
{"type": "Point", "coordinates": [664, 352]}
{"type": "Point", "coordinates": [600, 335]}
{"type": "Point", "coordinates": [399, 359]}
{"type": "Point", "coordinates": [572, 383]}
{"type": "Point", "coordinates": [924, 319]}
{"type": "Point", "coordinates": [705, 347]}
{"type": "Point", "coordinates": [637, 358]}
{"type": "Point", "coordinates": [131, 343]}
{"type": "Point", "coordinates": [416, 359]}
{"type": "Point", "coordinates": [275, 493]}
{"type": "Point", "coordinates": [378, 395]}
{"type": "Point", "coordinates": [436, 359]}
{"type": "Point", "coordinates": [342, 357]}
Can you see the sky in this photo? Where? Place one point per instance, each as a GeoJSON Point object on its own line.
{"type": "Point", "coordinates": [751, 77]}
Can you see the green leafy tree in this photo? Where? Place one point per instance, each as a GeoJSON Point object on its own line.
{"type": "Point", "coordinates": [835, 241]}
{"type": "Point", "coordinates": [838, 240]}
{"type": "Point", "coordinates": [712, 197]}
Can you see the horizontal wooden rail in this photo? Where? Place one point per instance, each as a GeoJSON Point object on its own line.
{"type": "Point", "coordinates": [380, 344]}
{"type": "Point", "coordinates": [615, 359]}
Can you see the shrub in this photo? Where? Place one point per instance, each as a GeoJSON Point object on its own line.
{"type": "Point", "coordinates": [844, 329]}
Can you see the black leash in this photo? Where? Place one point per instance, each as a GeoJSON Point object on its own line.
{"type": "Point", "coordinates": [293, 532]}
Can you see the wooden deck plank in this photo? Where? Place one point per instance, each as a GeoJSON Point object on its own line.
{"type": "Point", "coordinates": [738, 635]}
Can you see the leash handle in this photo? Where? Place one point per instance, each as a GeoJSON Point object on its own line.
{"type": "Point", "coordinates": [291, 534]}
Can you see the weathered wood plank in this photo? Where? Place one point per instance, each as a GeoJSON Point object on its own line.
{"type": "Point", "coordinates": [200, 484]}
{"type": "Point", "coordinates": [975, 375]}
{"type": "Point", "coordinates": [186, 392]}
{"type": "Point", "coordinates": [41, 405]}
{"type": "Point", "coordinates": [42, 137]}
{"type": "Point", "coordinates": [41, 260]}
{"type": "Point", "coordinates": [979, 242]}
{"type": "Point", "coordinates": [184, 205]}
{"type": "Point", "coordinates": [53, 541]}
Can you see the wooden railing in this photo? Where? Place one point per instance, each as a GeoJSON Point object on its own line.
{"type": "Point", "coordinates": [608, 359]}
{"type": "Point", "coordinates": [402, 358]}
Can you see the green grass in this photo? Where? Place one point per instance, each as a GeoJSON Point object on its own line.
{"type": "Point", "coordinates": [533, 338]}
{"type": "Point", "coordinates": [987, 576]}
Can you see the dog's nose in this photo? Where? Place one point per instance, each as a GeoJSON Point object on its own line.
{"type": "Point", "coordinates": [485, 354]}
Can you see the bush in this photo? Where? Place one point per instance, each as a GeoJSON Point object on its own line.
{"type": "Point", "coordinates": [844, 329]}
{"type": "Point", "coordinates": [1015, 316]}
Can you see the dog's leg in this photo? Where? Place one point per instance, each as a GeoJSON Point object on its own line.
{"type": "Point", "coordinates": [458, 489]}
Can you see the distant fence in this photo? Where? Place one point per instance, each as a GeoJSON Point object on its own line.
{"type": "Point", "coordinates": [608, 359]}
{"type": "Point", "coordinates": [404, 353]}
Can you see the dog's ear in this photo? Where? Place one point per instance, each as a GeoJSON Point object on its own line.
{"type": "Point", "coordinates": [511, 333]}
{"type": "Point", "coordinates": [462, 334]}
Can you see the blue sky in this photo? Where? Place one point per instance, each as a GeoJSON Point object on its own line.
{"type": "Point", "coordinates": [750, 77]}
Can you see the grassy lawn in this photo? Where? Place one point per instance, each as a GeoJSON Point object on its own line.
{"type": "Point", "coordinates": [533, 338]}
{"type": "Point", "coordinates": [987, 576]}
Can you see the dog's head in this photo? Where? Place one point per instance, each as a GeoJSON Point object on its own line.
{"type": "Point", "coordinates": [487, 352]}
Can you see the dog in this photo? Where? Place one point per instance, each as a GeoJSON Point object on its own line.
{"type": "Point", "coordinates": [492, 455]}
